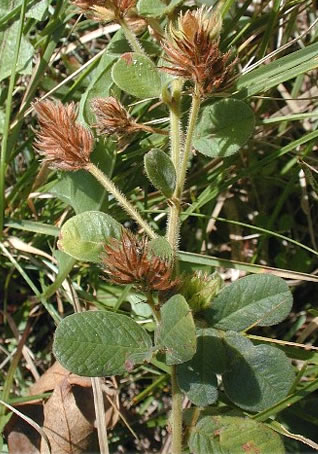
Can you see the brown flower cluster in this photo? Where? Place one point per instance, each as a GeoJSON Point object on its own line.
{"type": "Point", "coordinates": [65, 144]}
{"type": "Point", "coordinates": [128, 261]}
{"type": "Point", "coordinates": [192, 49]}
{"type": "Point", "coordinates": [107, 10]}
{"type": "Point", "coordinates": [112, 117]}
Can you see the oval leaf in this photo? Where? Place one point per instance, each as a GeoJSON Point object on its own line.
{"type": "Point", "coordinates": [196, 377]}
{"type": "Point", "coordinates": [223, 128]}
{"type": "Point", "coordinates": [149, 8]}
{"type": "Point", "coordinates": [176, 332]}
{"type": "Point", "coordinates": [84, 236]}
{"type": "Point", "coordinates": [260, 299]}
{"type": "Point", "coordinates": [161, 171]}
{"type": "Point", "coordinates": [233, 435]}
{"type": "Point", "coordinates": [256, 377]}
{"type": "Point", "coordinates": [96, 343]}
{"type": "Point", "coordinates": [137, 75]}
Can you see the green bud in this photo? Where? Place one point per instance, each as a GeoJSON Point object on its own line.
{"type": "Point", "coordinates": [200, 289]}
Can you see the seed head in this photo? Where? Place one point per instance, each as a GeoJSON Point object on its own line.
{"type": "Point", "coordinates": [112, 117]}
{"type": "Point", "coordinates": [192, 49]}
{"type": "Point", "coordinates": [65, 144]}
{"type": "Point", "coordinates": [128, 261]}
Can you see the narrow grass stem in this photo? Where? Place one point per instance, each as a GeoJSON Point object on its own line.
{"type": "Point", "coordinates": [131, 37]}
{"type": "Point", "coordinates": [126, 205]}
{"type": "Point", "coordinates": [100, 415]}
{"type": "Point", "coordinates": [176, 414]}
{"type": "Point", "coordinates": [6, 129]}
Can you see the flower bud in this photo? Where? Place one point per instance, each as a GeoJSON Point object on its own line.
{"type": "Point", "coordinates": [200, 289]}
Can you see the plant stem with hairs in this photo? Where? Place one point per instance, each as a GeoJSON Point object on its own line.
{"type": "Point", "coordinates": [131, 37]}
{"type": "Point", "coordinates": [180, 160]}
{"type": "Point", "coordinates": [119, 196]}
{"type": "Point", "coordinates": [175, 143]}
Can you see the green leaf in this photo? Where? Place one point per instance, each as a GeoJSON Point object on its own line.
{"type": "Point", "coordinates": [80, 189]}
{"type": "Point", "coordinates": [161, 171]}
{"type": "Point", "coordinates": [233, 435]}
{"type": "Point", "coordinates": [84, 236]}
{"type": "Point", "coordinates": [176, 332]}
{"type": "Point", "coordinates": [7, 39]}
{"type": "Point", "coordinates": [149, 8]}
{"type": "Point", "coordinates": [260, 299]}
{"type": "Point", "coordinates": [137, 75]}
{"type": "Point", "coordinates": [256, 377]}
{"type": "Point", "coordinates": [196, 378]}
{"type": "Point", "coordinates": [100, 84]}
{"type": "Point", "coordinates": [223, 128]}
{"type": "Point", "coordinates": [213, 342]}
{"type": "Point", "coordinates": [38, 10]}
{"type": "Point", "coordinates": [97, 343]}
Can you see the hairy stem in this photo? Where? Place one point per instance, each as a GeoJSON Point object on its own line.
{"type": "Point", "coordinates": [131, 37]}
{"type": "Point", "coordinates": [172, 236]}
{"type": "Point", "coordinates": [176, 414]}
{"type": "Point", "coordinates": [188, 143]}
{"type": "Point", "coordinates": [173, 228]}
{"type": "Point", "coordinates": [175, 141]}
{"type": "Point", "coordinates": [119, 196]}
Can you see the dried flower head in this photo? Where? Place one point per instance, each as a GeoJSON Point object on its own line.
{"type": "Point", "coordinates": [128, 261]}
{"type": "Point", "coordinates": [192, 49]}
{"type": "Point", "coordinates": [65, 144]}
{"type": "Point", "coordinates": [112, 117]}
{"type": "Point", "coordinates": [106, 10]}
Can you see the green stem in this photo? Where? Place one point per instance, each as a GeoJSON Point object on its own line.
{"type": "Point", "coordinates": [196, 100]}
{"type": "Point", "coordinates": [176, 414]}
{"type": "Point", "coordinates": [172, 236]}
{"type": "Point", "coordinates": [131, 37]}
{"type": "Point", "coordinates": [126, 205]}
{"type": "Point", "coordinates": [6, 129]}
{"type": "Point", "coordinates": [173, 228]}
{"type": "Point", "coordinates": [175, 141]}
{"type": "Point", "coordinates": [152, 304]}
